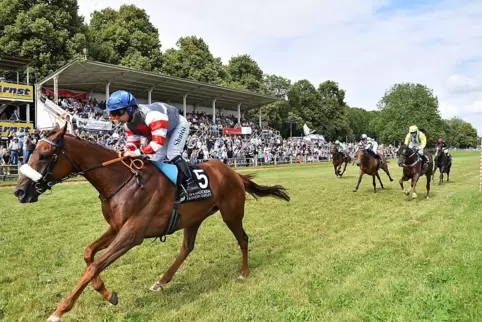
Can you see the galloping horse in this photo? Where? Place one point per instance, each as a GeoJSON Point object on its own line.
{"type": "Point", "coordinates": [338, 159]}
{"type": "Point", "coordinates": [137, 202]}
{"type": "Point", "coordinates": [412, 168]}
{"type": "Point", "coordinates": [369, 165]}
{"type": "Point", "coordinates": [443, 163]}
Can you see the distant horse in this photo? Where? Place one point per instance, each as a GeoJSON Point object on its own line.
{"type": "Point", "coordinates": [442, 162]}
{"type": "Point", "coordinates": [412, 168]}
{"type": "Point", "coordinates": [338, 159]}
{"type": "Point", "coordinates": [138, 202]}
{"type": "Point", "coordinates": [369, 165]}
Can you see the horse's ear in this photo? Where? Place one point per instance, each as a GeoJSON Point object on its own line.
{"type": "Point", "coordinates": [61, 125]}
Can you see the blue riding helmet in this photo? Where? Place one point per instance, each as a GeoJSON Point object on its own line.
{"type": "Point", "coordinates": [120, 100]}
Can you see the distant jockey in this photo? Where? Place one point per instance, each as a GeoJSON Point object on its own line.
{"type": "Point", "coordinates": [160, 123]}
{"type": "Point", "coordinates": [416, 139]}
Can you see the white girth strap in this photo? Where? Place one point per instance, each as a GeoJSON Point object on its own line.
{"type": "Point", "coordinates": [30, 173]}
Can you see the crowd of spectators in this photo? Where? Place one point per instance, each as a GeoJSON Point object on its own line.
{"type": "Point", "coordinates": [207, 140]}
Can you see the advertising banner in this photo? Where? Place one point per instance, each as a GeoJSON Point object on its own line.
{"type": "Point", "coordinates": [6, 126]}
{"type": "Point", "coordinates": [16, 92]}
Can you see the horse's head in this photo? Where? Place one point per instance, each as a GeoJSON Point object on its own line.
{"type": "Point", "coordinates": [438, 150]}
{"type": "Point", "coordinates": [46, 167]}
{"type": "Point", "coordinates": [404, 153]}
{"type": "Point", "coordinates": [359, 154]}
{"type": "Point", "coordinates": [332, 148]}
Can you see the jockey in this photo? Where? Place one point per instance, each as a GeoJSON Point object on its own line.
{"type": "Point", "coordinates": [441, 142]}
{"type": "Point", "coordinates": [416, 139]}
{"type": "Point", "coordinates": [340, 147]}
{"type": "Point", "coordinates": [371, 145]}
{"type": "Point", "coordinates": [161, 123]}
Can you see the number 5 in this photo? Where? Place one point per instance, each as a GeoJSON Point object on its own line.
{"type": "Point", "coordinates": [203, 180]}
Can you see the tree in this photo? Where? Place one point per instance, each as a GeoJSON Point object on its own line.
{"type": "Point", "coordinates": [193, 60]}
{"type": "Point", "coordinates": [125, 37]}
{"type": "Point", "coordinates": [408, 104]}
{"type": "Point", "coordinates": [245, 73]}
{"type": "Point", "coordinates": [460, 134]}
{"type": "Point", "coordinates": [50, 32]}
{"type": "Point", "coordinates": [333, 121]}
{"type": "Point", "coordinates": [305, 103]}
{"type": "Point", "coordinates": [276, 86]}
{"type": "Point", "coordinates": [359, 122]}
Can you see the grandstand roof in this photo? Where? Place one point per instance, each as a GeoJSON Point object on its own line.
{"type": "Point", "coordinates": [12, 62]}
{"type": "Point", "coordinates": [88, 75]}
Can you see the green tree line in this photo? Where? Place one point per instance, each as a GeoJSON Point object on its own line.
{"type": "Point", "coordinates": [52, 33]}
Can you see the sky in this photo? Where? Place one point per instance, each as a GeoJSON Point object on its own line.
{"type": "Point", "coordinates": [365, 45]}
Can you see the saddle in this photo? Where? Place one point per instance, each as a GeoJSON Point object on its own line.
{"type": "Point", "coordinates": [199, 176]}
{"type": "Point", "coordinates": [203, 192]}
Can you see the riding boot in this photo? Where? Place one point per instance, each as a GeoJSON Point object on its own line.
{"type": "Point", "coordinates": [188, 182]}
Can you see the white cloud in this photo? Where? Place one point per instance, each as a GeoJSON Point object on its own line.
{"type": "Point", "coordinates": [343, 40]}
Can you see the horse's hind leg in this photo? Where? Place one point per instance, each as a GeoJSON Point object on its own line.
{"type": "Point", "coordinates": [385, 168]}
{"type": "Point", "coordinates": [344, 168]}
{"type": "Point", "coordinates": [233, 217]}
{"type": "Point", "coordinates": [374, 184]}
{"type": "Point", "coordinates": [428, 187]}
{"type": "Point", "coordinates": [187, 247]}
{"type": "Point", "coordinates": [380, 180]}
{"type": "Point", "coordinates": [101, 243]}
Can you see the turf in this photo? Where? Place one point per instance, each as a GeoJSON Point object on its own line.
{"type": "Point", "coordinates": [328, 255]}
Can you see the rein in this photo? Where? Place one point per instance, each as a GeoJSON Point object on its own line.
{"type": "Point", "coordinates": [43, 183]}
{"type": "Point", "coordinates": [410, 165]}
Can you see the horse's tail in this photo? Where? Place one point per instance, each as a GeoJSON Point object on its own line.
{"type": "Point", "coordinates": [257, 190]}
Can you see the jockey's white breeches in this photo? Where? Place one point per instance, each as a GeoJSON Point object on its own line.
{"type": "Point", "coordinates": [373, 147]}
{"type": "Point", "coordinates": [174, 143]}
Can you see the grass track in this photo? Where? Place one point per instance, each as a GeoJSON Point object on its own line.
{"type": "Point", "coordinates": [330, 254]}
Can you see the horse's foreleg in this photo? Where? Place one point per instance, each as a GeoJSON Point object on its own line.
{"type": "Point", "coordinates": [380, 180]}
{"type": "Point", "coordinates": [336, 172]}
{"type": "Point", "coordinates": [187, 247]}
{"type": "Point", "coordinates": [414, 185]}
{"type": "Point", "coordinates": [434, 171]}
{"type": "Point", "coordinates": [359, 180]}
{"type": "Point", "coordinates": [374, 183]}
{"type": "Point", "coordinates": [404, 178]}
{"type": "Point", "coordinates": [89, 255]}
{"type": "Point", "coordinates": [126, 239]}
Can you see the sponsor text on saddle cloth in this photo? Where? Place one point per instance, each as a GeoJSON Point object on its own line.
{"type": "Point", "coordinates": [200, 177]}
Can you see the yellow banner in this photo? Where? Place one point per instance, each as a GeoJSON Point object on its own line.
{"type": "Point", "coordinates": [11, 91]}
{"type": "Point", "coordinates": [6, 127]}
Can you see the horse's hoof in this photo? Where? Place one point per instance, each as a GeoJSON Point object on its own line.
{"type": "Point", "coordinates": [114, 299]}
{"type": "Point", "coordinates": [407, 192]}
{"type": "Point", "coordinates": [428, 197]}
{"type": "Point", "coordinates": [355, 190]}
{"type": "Point", "coordinates": [156, 287]}
{"type": "Point", "coordinates": [414, 195]}
{"type": "Point", "coordinates": [53, 318]}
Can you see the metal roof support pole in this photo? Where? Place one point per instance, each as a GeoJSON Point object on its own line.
{"type": "Point", "coordinates": [28, 113]}
{"type": "Point", "coordinates": [214, 110]}
{"type": "Point", "coordinates": [18, 79]}
{"type": "Point", "coordinates": [260, 119]}
{"type": "Point", "coordinates": [184, 104]}
{"type": "Point", "coordinates": [239, 113]}
{"type": "Point", "coordinates": [28, 76]}
{"type": "Point", "coordinates": [107, 93]}
{"type": "Point", "coordinates": [149, 95]}
{"type": "Point", "coordinates": [56, 89]}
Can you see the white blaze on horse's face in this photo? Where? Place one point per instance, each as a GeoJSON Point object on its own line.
{"type": "Point", "coordinates": [30, 173]}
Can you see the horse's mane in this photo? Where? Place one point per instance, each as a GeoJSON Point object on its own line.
{"type": "Point", "coordinates": [89, 142]}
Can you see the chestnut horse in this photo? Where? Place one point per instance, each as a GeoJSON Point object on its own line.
{"type": "Point", "coordinates": [368, 164]}
{"type": "Point", "coordinates": [338, 159]}
{"type": "Point", "coordinates": [412, 168]}
{"type": "Point", "coordinates": [135, 209]}
{"type": "Point", "coordinates": [443, 162]}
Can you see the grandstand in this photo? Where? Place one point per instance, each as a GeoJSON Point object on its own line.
{"type": "Point", "coordinates": [96, 80]}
